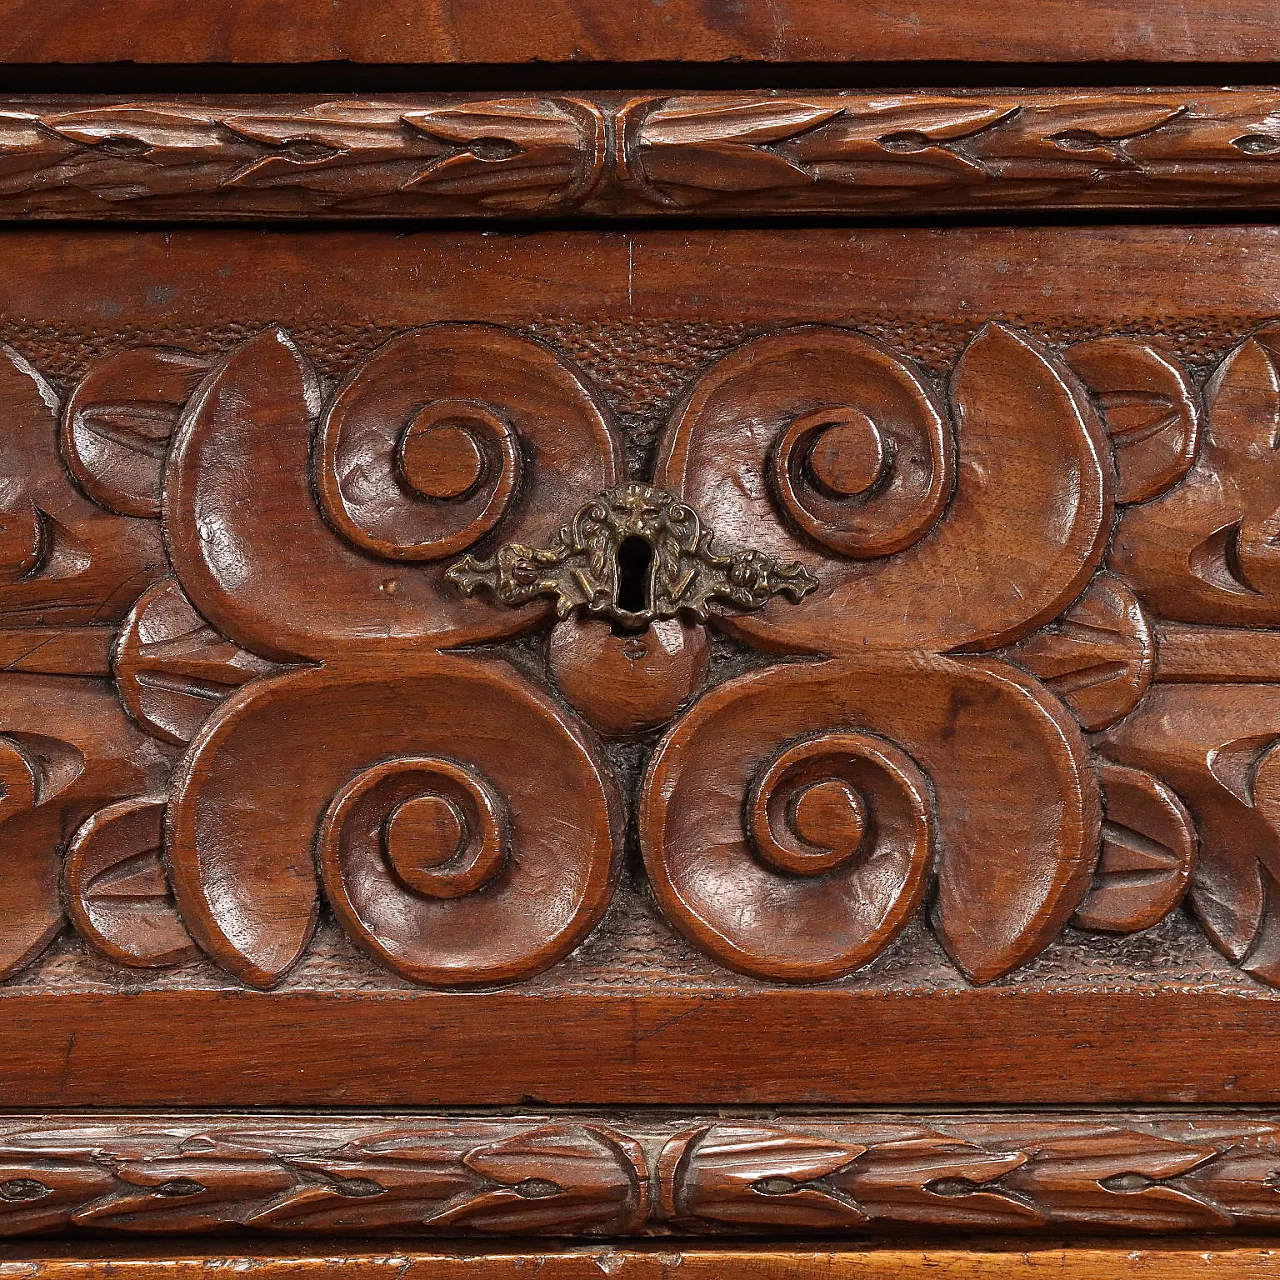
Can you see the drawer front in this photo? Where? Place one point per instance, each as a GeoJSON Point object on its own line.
{"type": "Point", "coordinates": [944, 537]}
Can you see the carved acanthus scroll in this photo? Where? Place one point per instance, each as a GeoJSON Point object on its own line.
{"type": "Point", "coordinates": [1037, 614]}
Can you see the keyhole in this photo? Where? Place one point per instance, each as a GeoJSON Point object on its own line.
{"type": "Point", "coordinates": [635, 558]}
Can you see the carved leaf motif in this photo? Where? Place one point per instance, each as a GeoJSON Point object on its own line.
{"type": "Point", "coordinates": [1209, 550]}
{"type": "Point", "coordinates": [552, 1178]}
{"type": "Point", "coordinates": [260, 774]}
{"type": "Point", "coordinates": [66, 750]}
{"type": "Point", "coordinates": [501, 154]}
{"type": "Point", "coordinates": [511, 154]}
{"type": "Point", "coordinates": [311, 594]}
{"type": "Point", "coordinates": [183, 1193]}
{"type": "Point", "coordinates": [1243, 1174]}
{"type": "Point", "coordinates": [1058, 139]}
{"type": "Point", "coordinates": [63, 560]}
{"type": "Point", "coordinates": [117, 424]}
{"type": "Point", "coordinates": [956, 719]}
{"type": "Point", "coordinates": [126, 151]}
{"type": "Point", "coordinates": [1033, 463]}
{"type": "Point", "coordinates": [1098, 657]}
{"type": "Point", "coordinates": [516, 1177]}
{"type": "Point", "coordinates": [889, 1172]}
{"type": "Point", "coordinates": [918, 143]}
{"type": "Point", "coordinates": [1148, 408]}
{"type": "Point", "coordinates": [1148, 854]}
{"type": "Point", "coordinates": [970, 1174]}
{"type": "Point", "coordinates": [450, 154]}
{"type": "Point", "coordinates": [694, 150]}
{"type": "Point", "coordinates": [1213, 744]}
{"type": "Point", "coordinates": [116, 890]}
{"type": "Point", "coordinates": [561, 1177]}
{"type": "Point", "coordinates": [763, 1176]}
{"type": "Point", "coordinates": [383, 1179]}
{"type": "Point", "coordinates": [935, 1179]}
{"type": "Point", "coordinates": [945, 152]}
{"type": "Point", "coordinates": [1017, 1173]}
{"type": "Point", "coordinates": [172, 668]}
{"type": "Point", "coordinates": [46, 1189]}
{"type": "Point", "coordinates": [339, 154]}
{"type": "Point", "coordinates": [1081, 1173]}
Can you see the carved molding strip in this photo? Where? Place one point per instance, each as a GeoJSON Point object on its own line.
{"type": "Point", "coordinates": [523, 155]}
{"type": "Point", "coordinates": [583, 1175]}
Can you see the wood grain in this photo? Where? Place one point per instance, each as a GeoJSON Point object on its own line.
{"type": "Point", "coordinates": [190, 283]}
{"type": "Point", "coordinates": [991, 1046]}
{"type": "Point", "coordinates": [647, 155]}
{"type": "Point", "coordinates": [457, 32]}
{"type": "Point", "coordinates": [979, 1259]}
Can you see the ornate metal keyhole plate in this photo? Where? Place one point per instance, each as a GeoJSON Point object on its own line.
{"type": "Point", "coordinates": [586, 566]}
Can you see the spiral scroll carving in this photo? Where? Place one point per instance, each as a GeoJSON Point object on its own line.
{"type": "Point", "coordinates": [287, 716]}
{"type": "Point", "coordinates": [401, 839]}
{"type": "Point", "coordinates": [865, 486]}
{"type": "Point", "coordinates": [441, 435]}
{"type": "Point", "coordinates": [437, 826]}
{"type": "Point", "coordinates": [411, 483]}
{"type": "Point", "coordinates": [827, 801]}
{"type": "Point", "coordinates": [800, 863]}
{"type": "Point", "coordinates": [423, 452]}
{"type": "Point", "coordinates": [790, 842]}
{"type": "Point", "coordinates": [434, 847]}
{"type": "Point", "coordinates": [862, 461]}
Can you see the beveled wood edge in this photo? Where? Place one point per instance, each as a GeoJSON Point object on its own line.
{"type": "Point", "coordinates": [541, 155]}
{"type": "Point", "coordinates": [980, 1259]}
{"type": "Point", "coordinates": [571, 1174]}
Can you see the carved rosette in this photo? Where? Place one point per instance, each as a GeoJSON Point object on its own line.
{"type": "Point", "coordinates": [1024, 675]}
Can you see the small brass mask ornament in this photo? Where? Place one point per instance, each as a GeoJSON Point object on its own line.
{"type": "Point", "coordinates": [634, 555]}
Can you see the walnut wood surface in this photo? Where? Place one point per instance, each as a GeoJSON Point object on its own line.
{"type": "Point", "coordinates": [637, 154]}
{"type": "Point", "coordinates": [460, 32]}
{"type": "Point", "coordinates": [302, 784]}
{"type": "Point", "coordinates": [579, 1175]}
{"type": "Point", "coordinates": [1135, 1041]}
{"type": "Point", "coordinates": [979, 1259]}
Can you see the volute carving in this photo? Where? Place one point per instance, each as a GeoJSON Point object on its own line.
{"type": "Point", "coordinates": [1029, 610]}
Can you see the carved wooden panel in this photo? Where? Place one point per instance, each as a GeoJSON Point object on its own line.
{"type": "Point", "coordinates": [1025, 615]}
{"type": "Point", "coordinates": [411, 640]}
{"type": "Point", "coordinates": [601, 675]}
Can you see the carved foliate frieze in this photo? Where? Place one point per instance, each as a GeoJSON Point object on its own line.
{"type": "Point", "coordinates": [274, 644]}
{"type": "Point", "coordinates": [526, 154]}
{"type": "Point", "coordinates": [583, 1176]}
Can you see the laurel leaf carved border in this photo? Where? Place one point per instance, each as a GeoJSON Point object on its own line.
{"type": "Point", "coordinates": [528, 155]}
{"type": "Point", "coordinates": [583, 1175]}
